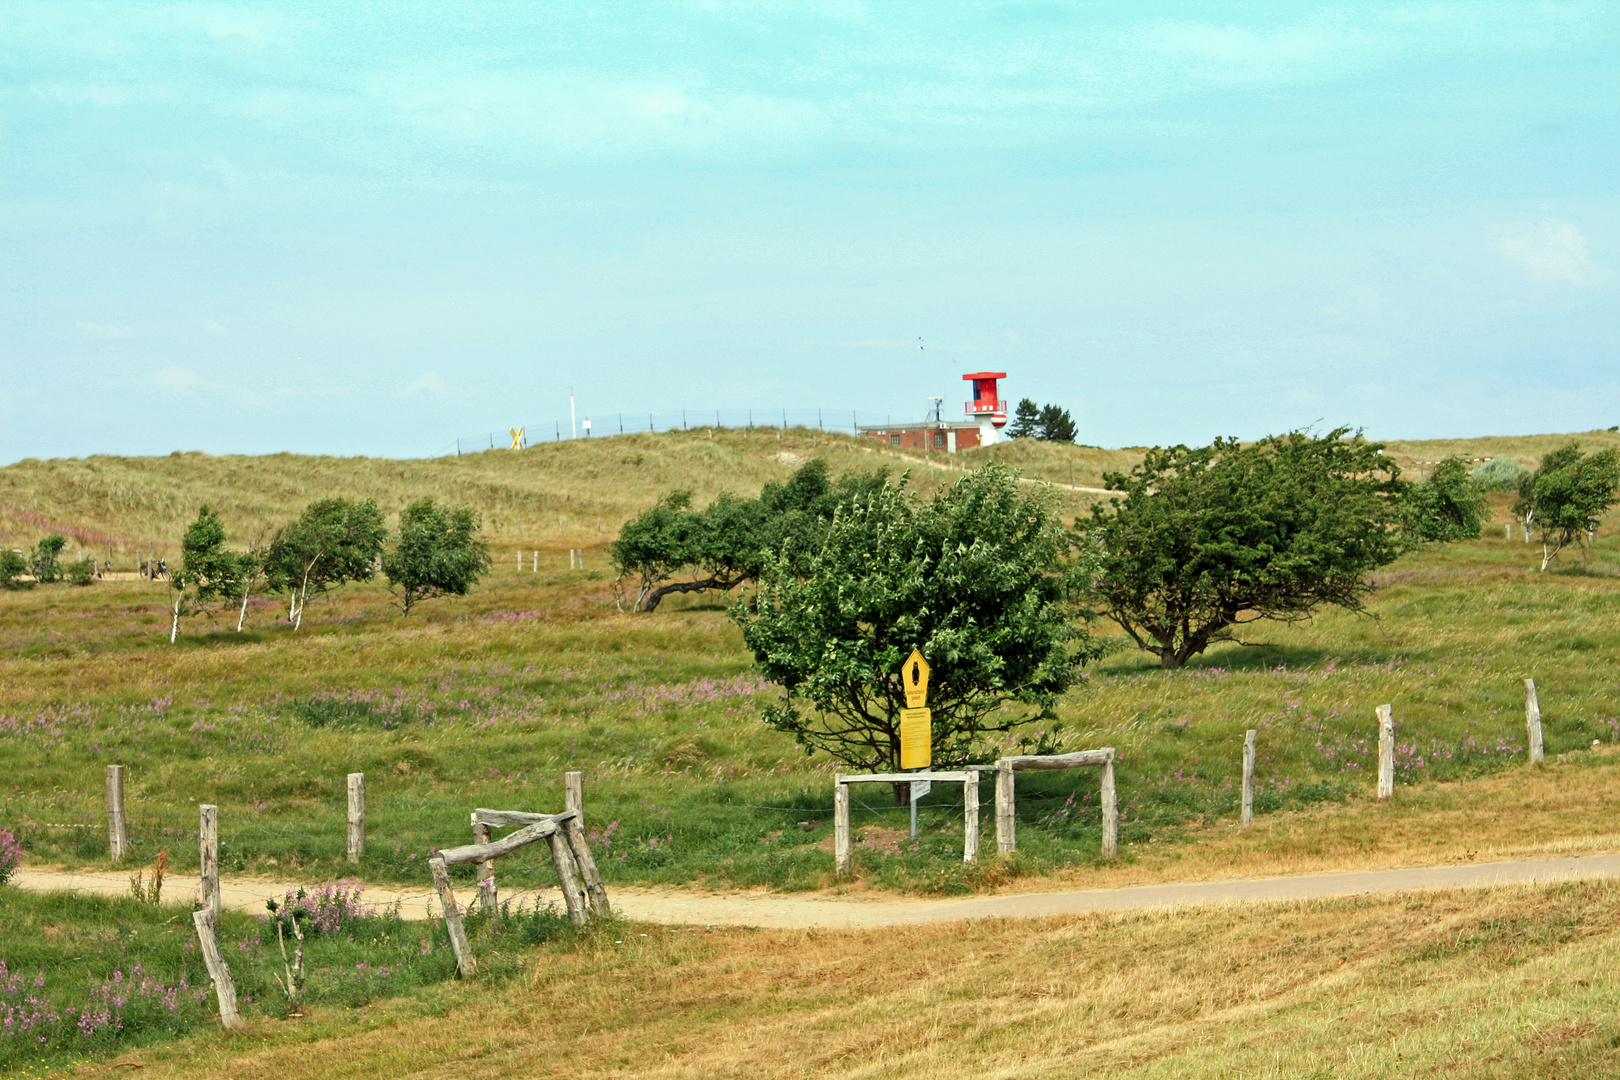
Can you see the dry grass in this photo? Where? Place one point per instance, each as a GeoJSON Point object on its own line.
{"type": "Point", "coordinates": [1505, 983]}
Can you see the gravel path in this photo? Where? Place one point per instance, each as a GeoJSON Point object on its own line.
{"type": "Point", "coordinates": [795, 910]}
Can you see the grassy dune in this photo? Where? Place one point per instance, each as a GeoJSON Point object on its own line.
{"type": "Point", "coordinates": [131, 502]}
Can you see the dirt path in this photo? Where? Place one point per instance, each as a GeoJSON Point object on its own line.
{"type": "Point", "coordinates": [792, 910]}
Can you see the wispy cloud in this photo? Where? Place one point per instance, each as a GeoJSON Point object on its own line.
{"type": "Point", "coordinates": [427, 384]}
{"type": "Point", "coordinates": [1550, 251]}
{"type": "Point", "coordinates": [178, 380]}
{"type": "Point", "coordinates": [105, 331]}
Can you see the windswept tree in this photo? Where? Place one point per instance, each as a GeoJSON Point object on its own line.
{"type": "Point", "coordinates": [1564, 499]}
{"type": "Point", "coordinates": [674, 548]}
{"type": "Point", "coordinates": [974, 578]}
{"type": "Point", "coordinates": [46, 563]}
{"type": "Point", "coordinates": [206, 572]}
{"type": "Point", "coordinates": [333, 542]}
{"type": "Point", "coordinates": [1446, 506]}
{"type": "Point", "coordinates": [1205, 540]}
{"type": "Point", "coordinates": [438, 554]}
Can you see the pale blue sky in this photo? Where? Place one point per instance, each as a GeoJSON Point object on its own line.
{"type": "Point", "coordinates": [236, 227]}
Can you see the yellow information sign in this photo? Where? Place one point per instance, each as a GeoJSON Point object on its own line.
{"type": "Point", "coordinates": [916, 721]}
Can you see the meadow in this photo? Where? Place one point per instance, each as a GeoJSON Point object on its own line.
{"type": "Point", "coordinates": [487, 700]}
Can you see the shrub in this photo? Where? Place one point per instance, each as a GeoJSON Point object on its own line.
{"type": "Point", "coordinates": [11, 854]}
{"type": "Point", "coordinates": [81, 572]}
{"type": "Point", "coordinates": [12, 567]}
{"type": "Point", "coordinates": [1498, 474]}
{"type": "Point", "coordinates": [48, 559]}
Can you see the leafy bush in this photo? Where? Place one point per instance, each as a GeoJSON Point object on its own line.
{"type": "Point", "coordinates": [81, 572]}
{"type": "Point", "coordinates": [48, 559]}
{"type": "Point", "coordinates": [11, 854]}
{"type": "Point", "coordinates": [12, 567]}
{"type": "Point", "coordinates": [1498, 474]}
{"type": "Point", "coordinates": [1446, 506]}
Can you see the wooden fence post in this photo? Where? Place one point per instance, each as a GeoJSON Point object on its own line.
{"type": "Point", "coordinates": [840, 828]}
{"type": "Point", "coordinates": [574, 794]}
{"type": "Point", "coordinates": [1248, 777]}
{"type": "Point", "coordinates": [1532, 719]}
{"type": "Point", "coordinates": [1386, 752]}
{"type": "Point", "coordinates": [568, 878]}
{"type": "Point", "coordinates": [357, 815]}
{"type": "Point", "coordinates": [1509, 534]}
{"type": "Point", "coordinates": [970, 819]}
{"type": "Point", "coordinates": [208, 857]}
{"type": "Point", "coordinates": [488, 901]}
{"type": "Point", "coordinates": [117, 828]}
{"type": "Point", "coordinates": [1006, 821]}
{"type": "Point", "coordinates": [1110, 809]}
{"type": "Point", "coordinates": [224, 985]}
{"type": "Point", "coordinates": [465, 963]}
{"type": "Point", "coordinates": [574, 799]}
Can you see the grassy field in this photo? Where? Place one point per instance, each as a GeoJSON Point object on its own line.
{"type": "Point", "coordinates": [487, 700]}
{"type": "Point", "coordinates": [1509, 983]}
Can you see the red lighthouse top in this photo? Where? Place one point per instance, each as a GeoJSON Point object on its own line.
{"type": "Point", "coordinates": [986, 401]}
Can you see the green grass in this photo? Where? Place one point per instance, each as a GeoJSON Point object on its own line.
{"type": "Point", "coordinates": [89, 976]}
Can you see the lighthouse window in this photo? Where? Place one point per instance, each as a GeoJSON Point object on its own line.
{"type": "Point", "coordinates": [894, 440]}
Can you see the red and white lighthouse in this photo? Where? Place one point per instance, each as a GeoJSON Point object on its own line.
{"type": "Point", "coordinates": [987, 405]}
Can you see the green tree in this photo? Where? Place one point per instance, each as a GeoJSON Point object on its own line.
{"type": "Point", "coordinates": [206, 572]}
{"type": "Point", "coordinates": [1447, 506]}
{"type": "Point", "coordinates": [1026, 421]}
{"type": "Point", "coordinates": [724, 544]}
{"type": "Point", "coordinates": [1056, 425]}
{"type": "Point", "coordinates": [1564, 499]}
{"type": "Point", "coordinates": [973, 578]}
{"type": "Point", "coordinates": [333, 542]}
{"type": "Point", "coordinates": [47, 560]}
{"type": "Point", "coordinates": [438, 554]}
{"type": "Point", "coordinates": [13, 565]}
{"type": "Point", "coordinates": [1208, 539]}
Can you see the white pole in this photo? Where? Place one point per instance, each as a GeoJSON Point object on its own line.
{"type": "Point", "coordinates": [573, 428]}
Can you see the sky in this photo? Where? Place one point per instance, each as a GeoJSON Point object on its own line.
{"type": "Point", "coordinates": [375, 229]}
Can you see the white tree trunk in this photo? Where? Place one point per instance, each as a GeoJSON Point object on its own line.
{"type": "Point", "coordinates": [243, 614]}
{"type": "Point", "coordinates": [174, 627]}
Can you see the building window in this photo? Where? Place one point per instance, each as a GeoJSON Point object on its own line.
{"type": "Point", "coordinates": [939, 440]}
{"type": "Point", "coordinates": [894, 440]}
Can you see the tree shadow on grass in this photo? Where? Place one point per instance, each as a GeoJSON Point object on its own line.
{"type": "Point", "coordinates": [1264, 657]}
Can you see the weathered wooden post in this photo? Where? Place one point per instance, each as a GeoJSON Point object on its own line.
{"type": "Point", "coordinates": [465, 963]}
{"type": "Point", "coordinates": [357, 815]}
{"type": "Point", "coordinates": [1006, 823]}
{"type": "Point", "coordinates": [1386, 752]}
{"type": "Point", "coordinates": [568, 877]}
{"type": "Point", "coordinates": [1532, 719]}
{"type": "Point", "coordinates": [1508, 535]}
{"type": "Point", "coordinates": [1110, 808]}
{"type": "Point", "coordinates": [970, 818]}
{"type": "Point", "coordinates": [224, 985]}
{"type": "Point", "coordinates": [536, 567]}
{"type": "Point", "coordinates": [117, 829]}
{"type": "Point", "coordinates": [574, 794]}
{"type": "Point", "coordinates": [840, 828]}
{"type": "Point", "coordinates": [574, 799]}
{"type": "Point", "coordinates": [1248, 777]}
{"type": "Point", "coordinates": [488, 901]}
{"type": "Point", "coordinates": [208, 857]}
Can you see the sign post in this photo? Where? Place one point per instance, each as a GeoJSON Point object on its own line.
{"type": "Point", "coordinates": [916, 727]}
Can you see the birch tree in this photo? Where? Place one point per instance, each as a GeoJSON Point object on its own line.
{"type": "Point", "coordinates": [333, 542]}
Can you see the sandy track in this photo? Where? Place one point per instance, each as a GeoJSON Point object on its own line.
{"type": "Point", "coordinates": [791, 910]}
